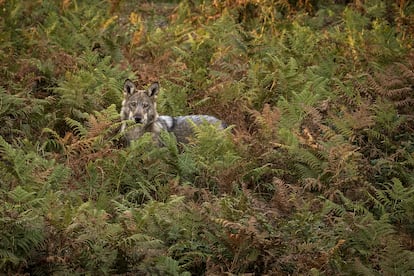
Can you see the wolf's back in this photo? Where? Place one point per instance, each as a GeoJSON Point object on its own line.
{"type": "Point", "coordinates": [182, 126]}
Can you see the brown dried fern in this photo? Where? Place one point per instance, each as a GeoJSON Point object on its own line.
{"type": "Point", "coordinates": [282, 198]}
{"type": "Point", "coordinates": [396, 84]}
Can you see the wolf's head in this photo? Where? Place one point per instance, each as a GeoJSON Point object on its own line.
{"type": "Point", "coordinates": [139, 105]}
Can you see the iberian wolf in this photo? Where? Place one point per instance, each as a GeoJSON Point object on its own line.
{"type": "Point", "coordinates": [140, 106]}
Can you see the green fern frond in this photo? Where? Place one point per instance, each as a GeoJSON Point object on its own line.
{"type": "Point", "coordinates": [19, 109]}
{"type": "Point", "coordinates": [355, 207]}
{"type": "Point", "coordinates": [310, 159]}
{"type": "Point", "coordinates": [79, 129]}
{"type": "Point", "coordinates": [21, 226]}
{"type": "Point", "coordinates": [8, 257]}
{"type": "Point", "coordinates": [362, 269]}
{"type": "Point", "coordinates": [169, 266]}
{"type": "Point", "coordinates": [142, 241]}
{"type": "Point", "coordinates": [20, 195]}
{"type": "Point", "coordinates": [396, 260]}
{"type": "Point", "coordinates": [334, 208]}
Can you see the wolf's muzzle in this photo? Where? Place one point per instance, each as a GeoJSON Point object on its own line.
{"type": "Point", "coordinates": [138, 119]}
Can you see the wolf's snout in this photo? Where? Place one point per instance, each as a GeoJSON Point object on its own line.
{"type": "Point", "coordinates": [138, 119]}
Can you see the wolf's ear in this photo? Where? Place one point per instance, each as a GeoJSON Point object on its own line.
{"type": "Point", "coordinates": [153, 89]}
{"type": "Point", "coordinates": [129, 88]}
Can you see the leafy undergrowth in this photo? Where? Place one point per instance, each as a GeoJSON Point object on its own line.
{"type": "Point", "coordinates": [314, 177]}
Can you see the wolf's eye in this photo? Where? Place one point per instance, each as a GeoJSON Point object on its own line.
{"type": "Point", "coordinates": [133, 104]}
{"type": "Point", "coordinates": [145, 105]}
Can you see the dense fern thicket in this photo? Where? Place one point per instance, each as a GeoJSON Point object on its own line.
{"type": "Point", "coordinates": [314, 176]}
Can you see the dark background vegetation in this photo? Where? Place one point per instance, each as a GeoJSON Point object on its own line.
{"type": "Point", "coordinates": [315, 176]}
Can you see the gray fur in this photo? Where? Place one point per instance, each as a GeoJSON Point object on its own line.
{"type": "Point", "coordinates": [140, 106]}
{"type": "Point", "coordinates": [182, 126]}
